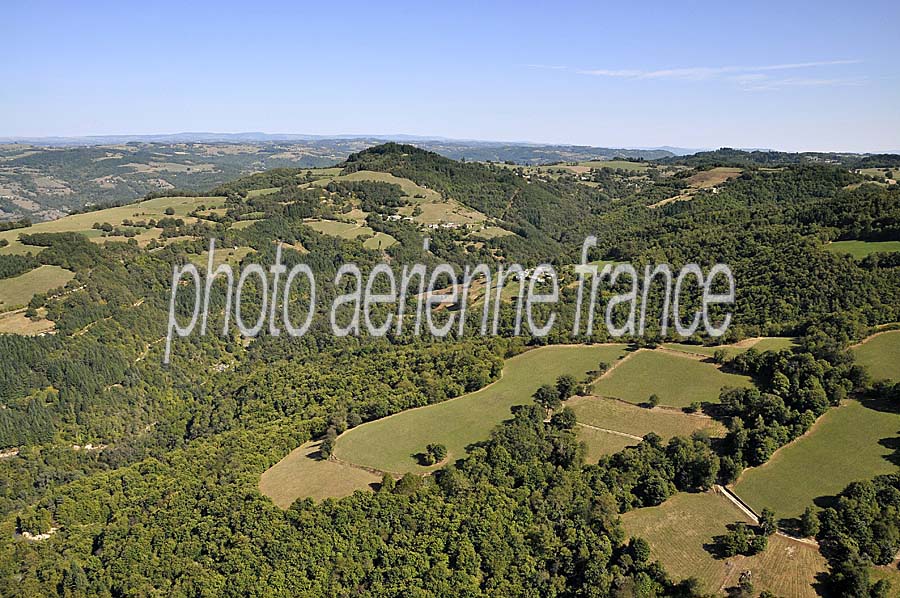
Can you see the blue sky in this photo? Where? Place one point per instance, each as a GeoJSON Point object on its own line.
{"type": "Point", "coordinates": [788, 75]}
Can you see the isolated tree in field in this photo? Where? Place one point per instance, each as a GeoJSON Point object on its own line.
{"type": "Point", "coordinates": [584, 389]}
{"type": "Point", "coordinates": [767, 523]}
{"type": "Point", "coordinates": [694, 407]}
{"type": "Point", "coordinates": [170, 211]}
{"type": "Point", "coordinates": [745, 585]}
{"type": "Point", "coordinates": [809, 522]}
{"type": "Point", "coordinates": [736, 541]}
{"type": "Point", "coordinates": [564, 420]}
{"type": "Point", "coordinates": [653, 401]}
{"type": "Point", "coordinates": [758, 544]}
{"type": "Point", "coordinates": [434, 453]}
{"type": "Point", "coordinates": [566, 385]}
{"type": "Point", "coordinates": [327, 446]}
{"type": "Point", "coordinates": [438, 452]}
{"type": "Point", "coordinates": [547, 397]}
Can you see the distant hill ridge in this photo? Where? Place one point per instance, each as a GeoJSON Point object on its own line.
{"type": "Point", "coordinates": [735, 157]}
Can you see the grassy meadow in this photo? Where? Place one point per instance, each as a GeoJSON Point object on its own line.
{"type": "Point", "coordinates": [303, 474]}
{"type": "Point", "coordinates": [433, 208]}
{"type": "Point", "coordinates": [18, 290]}
{"type": "Point", "coordinates": [222, 255]}
{"type": "Point", "coordinates": [379, 241]}
{"type": "Point", "coordinates": [774, 343]}
{"type": "Point", "coordinates": [849, 443]}
{"type": "Point", "coordinates": [349, 230]}
{"type": "Point", "coordinates": [15, 322]}
{"type": "Point", "coordinates": [682, 528]}
{"type": "Point", "coordinates": [638, 421]}
{"type": "Point", "coordinates": [860, 249]}
{"type": "Point", "coordinates": [599, 443]}
{"type": "Point", "coordinates": [391, 443]}
{"type": "Point", "coordinates": [491, 232]}
{"type": "Point", "coordinates": [82, 223]}
{"type": "Point", "coordinates": [881, 355]}
{"type": "Point", "coordinates": [712, 177]}
{"type": "Point", "coordinates": [705, 179]}
{"type": "Point", "coordinates": [677, 380]}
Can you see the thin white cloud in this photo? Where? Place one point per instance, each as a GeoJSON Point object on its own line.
{"type": "Point", "coordinates": [767, 84]}
{"type": "Point", "coordinates": [628, 73]}
{"type": "Point", "coordinates": [703, 73]}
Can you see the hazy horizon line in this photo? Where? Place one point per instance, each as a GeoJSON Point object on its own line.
{"type": "Point", "coordinates": [37, 139]}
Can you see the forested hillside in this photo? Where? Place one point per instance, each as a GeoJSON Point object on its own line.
{"type": "Point", "coordinates": [121, 476]}
{"type": "Point", "coordinates": [44, 179]}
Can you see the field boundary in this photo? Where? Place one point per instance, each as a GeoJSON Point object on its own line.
{"type": "Point", "coordinates": [781, 448]}
{"type": "Point", "coordinates": [335, 459]}
{"type": "Point", "coordinates": [749, 512]}
{"type": "Point", "coordinates": [684, 354]}
{"type": "Point", "coordinates": [608, 431]}
{"type": "Point", "coordinates": [617, 363]}
{"type": "Point", "coordinates": [738, 502]}
{"type": "Point", "coordinates": [669, 408]}
{"type": "Point", "coordinates": [875, 334]}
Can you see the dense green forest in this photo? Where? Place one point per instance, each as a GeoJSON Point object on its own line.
{"type": "Point", "coordinates": [171, 505]}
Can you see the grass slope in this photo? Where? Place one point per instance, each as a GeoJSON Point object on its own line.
{"type": "Point", "coordinates": [82, 223]}
{"type": "Point", "coordinates": [599, 443]}
{"type": "Point", "coordinates": [390, 444]}
{"type": "Point", "coordinates": [679, 529]}
{"type": "Point", "coordinates": [433, 207]}
{"type": "Point", "coordinates": [15, 322]}
{"type": "Point", "coordinates": [347, 230]}
{"type": "Point", "coordinates": [881, 355]}
{"type": "Point", "coordinates": [638, 421]}
{"type": "Point", "coordinates": [223, 255]}
{"type": "Point", "coordinates": [860, 249]}
{"type": "Point", "coordinates": [848, 443]}
{"type": "Point", "coordinates": [774, 343]}
{"type": "Point", "coordinates": [303, 474]}
{"type": "Point", "coordinates": [18, 291]}
{"type": "Point", "coordinates": [677, 380]}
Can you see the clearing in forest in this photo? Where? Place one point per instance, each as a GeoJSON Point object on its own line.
{"type": "Point", "coordinates": [393, 443]}
{"type": "Point", "coordinates": [82, 223]}
{"type": "Point", "coordinates": [17, 291]}
{"type": "Point", "coordinates": [303, 473]}
{"type": "Point", "coordinates": [678, 380]}
{"type": "Point", "coordinates": [681, 532]}
{"type": "Point", "coordinates": [860, 249]}
{"type": "Point", "coordinates": [596, 414]}
{"type": "Point", "coordinates": [855, 441]}
{"type": "Point", "coordinates": [880, 354]}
